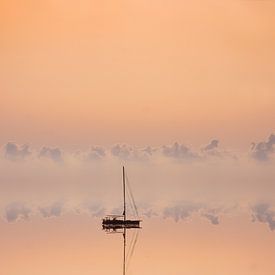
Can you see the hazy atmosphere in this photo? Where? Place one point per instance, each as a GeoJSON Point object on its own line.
{"type": "Point", "coordinates": [180, 93]}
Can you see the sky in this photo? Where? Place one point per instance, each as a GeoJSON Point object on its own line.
{"type": "Point", "coordinates": [102, 72]}
{"type": "Point", "coordinates": [180, 92]}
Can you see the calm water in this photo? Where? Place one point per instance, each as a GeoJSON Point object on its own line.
{"type": "Point", "coordinates": [76, 244]}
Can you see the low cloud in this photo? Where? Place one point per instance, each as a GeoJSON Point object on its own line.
{"type": "Point", "coordinates": [54, 210]}
{"type": "Point", "coordinates": [212, 218]}
{"type": "Point", "coordinates": [262, 151]}
{"type": "Point", "coordinates": [12, 151]}
{"type": "Point", "coordinates": [150, 213]}
{"type": "Point", "coordinates": [212, 215]}
{"type": "Point", "coordinates": [96, 153]}
{"type": "Point", "coordinates": [212, 145]}
{"type": "Point", "coordinates": [212, 149]}
{"type": "Point", "coordinates": [17, 211]}
{"type": "Point", "coordinates": [147, 210]}
{"type": "Point", "coordinates": [94, 175]}
{"type": "Point", "coordinates": [178, 151]}
{"type": "Point", "coordinates": [95, 209]}
{"type": "Point", "coordinates": [181, 211]}
{"type": "Point", "coordinates": [54, 154]}
{"type": "Point", "coordinates": [127, 152]}
{"type": "Point", "coordinates": [264, 213]}
{"type": "Point", "coordinates": [184, 210]}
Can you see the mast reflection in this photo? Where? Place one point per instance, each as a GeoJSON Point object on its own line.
{"type": "Point", "coordinates": [127, 253]}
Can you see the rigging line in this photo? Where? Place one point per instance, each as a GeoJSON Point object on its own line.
{"type": "Point", "coordinates": [130, 246]}
{"type": "Point", "coordinates": [133, 248]}
{"type": "Point", "coordinates": [131, 199]}
{"type": "Point", "coordinates": [131, 193]}
{"type": "Point", "coordinates": [131, 203]}
{"type": "Point", "coordinates": [130, 206]}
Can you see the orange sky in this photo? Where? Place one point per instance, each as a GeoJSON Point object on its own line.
{"type": "Point", "coordinates": [76, 73]}
{"type": "Point", "coordinates": [79, 73]}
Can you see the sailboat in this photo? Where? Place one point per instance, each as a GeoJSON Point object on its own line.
{"type": "Point", "coordinates": [113, 222]}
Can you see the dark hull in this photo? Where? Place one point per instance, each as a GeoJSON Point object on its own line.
{"type": "Point", "coordinates": [117, 224]}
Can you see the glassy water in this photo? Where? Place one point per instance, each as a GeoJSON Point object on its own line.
{"type": "Point", "coordinates": [76, 244]}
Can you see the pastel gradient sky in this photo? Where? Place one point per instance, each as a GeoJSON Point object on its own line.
{"type": "Point", "coordinates": [141, 72]}
{"type": "Point", "coordinates": [181, 92]}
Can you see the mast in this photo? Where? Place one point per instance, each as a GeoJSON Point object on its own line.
{"type": "Point", "coordinates": [124, 194]}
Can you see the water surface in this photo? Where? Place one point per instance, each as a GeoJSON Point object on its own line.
{"type": "Point", "coordinates": [76, 244]}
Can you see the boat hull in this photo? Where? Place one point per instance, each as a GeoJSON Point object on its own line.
{"type": "Point", "coordinates": [117, 224]}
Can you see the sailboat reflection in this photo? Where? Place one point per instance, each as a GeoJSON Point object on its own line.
{"type": "Point", "coordinates": [120, 223]}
